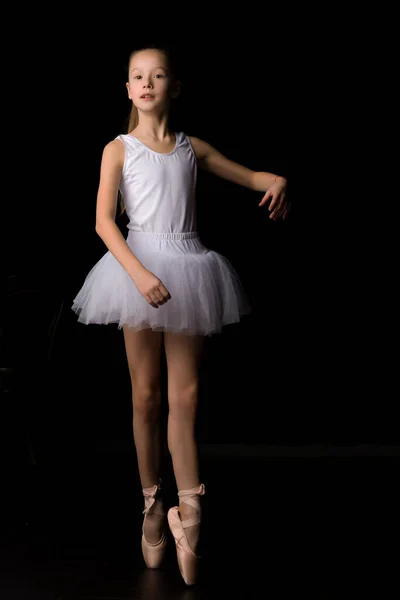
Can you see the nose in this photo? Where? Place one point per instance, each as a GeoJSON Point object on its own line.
{"type": "Point", "coordinates": [148, 84]}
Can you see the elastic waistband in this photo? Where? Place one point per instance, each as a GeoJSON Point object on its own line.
{"type": "Point", "coordinates": [185, 235]}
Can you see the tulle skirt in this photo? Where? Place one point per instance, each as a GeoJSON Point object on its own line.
{"type": "Point", "coordinates": [205, 290]}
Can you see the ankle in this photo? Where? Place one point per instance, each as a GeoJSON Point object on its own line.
{"type": "Point", "coordinates": [157, 507]}
{"type": "Point", "coordinates": [186, 510]}
{"type": "Point", "coordinates": [153, 502]}
{"type": "Point", "coordinates": [190, 501]}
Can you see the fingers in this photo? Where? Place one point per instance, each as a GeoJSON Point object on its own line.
{"type": "Point", "coordinates": [265, 199]}
{"type": "Point", "coordinates": [275, 214]}
{"type": "Point", "coordinates": [158, 296]}
{"type": "Point", "coordinates": [273, 203]}
{"type": "Point", "coordinates": [279, 208]}
{"type": "Point", "coordinates": [286, 212]}
{"type": "Point", "coordinates": [151, 302]}
{"type": "Point", "coordinates": [279, 212]}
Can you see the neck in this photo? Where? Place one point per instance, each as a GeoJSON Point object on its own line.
{"type": "Point", "coordinates": [153, 127]}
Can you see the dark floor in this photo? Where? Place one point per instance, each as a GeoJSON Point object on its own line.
{"type": "Point", "coordinates": [279, 524]}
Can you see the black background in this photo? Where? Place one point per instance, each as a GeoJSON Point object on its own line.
{"type": "Point", "coordinates": [291, 372]}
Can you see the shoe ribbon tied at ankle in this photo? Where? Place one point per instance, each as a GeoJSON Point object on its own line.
{"type": "Point", "coordinates": [189, 497]}
{"type": "Point", "coordinates": [150, 497]}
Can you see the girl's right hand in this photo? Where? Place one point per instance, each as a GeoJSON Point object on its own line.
{"type": "Point", "coordinates": [152, 288]}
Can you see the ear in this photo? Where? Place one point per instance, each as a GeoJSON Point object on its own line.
{"type": "Point", "coordinates": [127, 87]}
{"type": "Point", "coordinates": [176, 88]}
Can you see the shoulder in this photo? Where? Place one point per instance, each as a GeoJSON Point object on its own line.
{"type": "Point", "coordinates": [200, 147]}
{"type": "Point", "coordinates": [114, 152]}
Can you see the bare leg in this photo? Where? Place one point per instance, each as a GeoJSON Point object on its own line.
{"type": "Point", "coordinates": [184, 354]}
{"type": "Point", "coordinates": [143, 351]}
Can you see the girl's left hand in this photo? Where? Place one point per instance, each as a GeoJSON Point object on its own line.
{"type": "Point", "coordinates": [279, 206]}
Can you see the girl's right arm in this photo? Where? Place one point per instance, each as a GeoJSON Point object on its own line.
{"type": "Point", "coordinates": [147, 283]}
{"type": "Point", "coordinates": [106, 208]}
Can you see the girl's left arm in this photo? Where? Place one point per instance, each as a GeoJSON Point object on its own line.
{"type": "Point", "coordinates": [260, 181]}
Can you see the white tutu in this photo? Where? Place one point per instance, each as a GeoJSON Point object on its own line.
{"type": "Point", "coordinates": [206, 292]}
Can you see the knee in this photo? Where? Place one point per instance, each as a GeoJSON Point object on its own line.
{"type": "Point", "coordinates": [183, 401]}
{"type": "Point", "coordinates": [146, 401]}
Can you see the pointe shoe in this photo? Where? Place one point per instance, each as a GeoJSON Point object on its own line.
{"type": "Point", "coordinates": [188, 561]}
{"type": "Point", "coordinates": [153, 554]}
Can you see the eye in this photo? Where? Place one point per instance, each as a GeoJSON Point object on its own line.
{"type": "Point", "coordinates": [159, 75]}
{"type": "Point", "coordinates": [137, 77]}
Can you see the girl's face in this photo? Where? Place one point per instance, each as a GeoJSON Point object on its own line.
{"type": "Point", "coordinates": [149, 80]}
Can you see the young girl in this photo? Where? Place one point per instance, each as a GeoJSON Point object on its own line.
{"type": "Point", "coordinates": [161, 285]}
